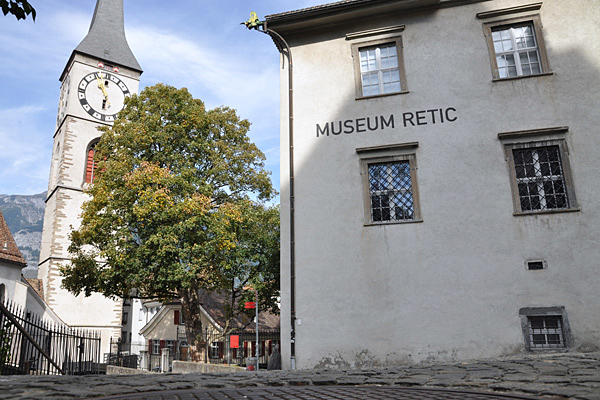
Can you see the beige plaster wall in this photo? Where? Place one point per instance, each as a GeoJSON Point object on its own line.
{"type": "Point", "coordinates": [451, 286]}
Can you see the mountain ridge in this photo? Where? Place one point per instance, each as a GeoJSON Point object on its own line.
{"type": "Point", "coordinates": [24, 215]}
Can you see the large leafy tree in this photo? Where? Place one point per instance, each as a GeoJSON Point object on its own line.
{"type": "Point", "coordinates": [19, 8]}
{"type": "Point", "coordinates": [178, 205]}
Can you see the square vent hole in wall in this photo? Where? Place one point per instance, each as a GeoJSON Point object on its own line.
{"type": "Point", "coordinates": [535, 265]}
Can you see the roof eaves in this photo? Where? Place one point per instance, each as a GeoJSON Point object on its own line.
{"type": "Point", "coordinates": [323, 8]}
{"type": "Point", "coordinates": [347, 10]}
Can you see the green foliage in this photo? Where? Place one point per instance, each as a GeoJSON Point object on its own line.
{"type": "Point", "coordinates": [172, 207]}
{"type": "Point", "coordinates": [19, 8]}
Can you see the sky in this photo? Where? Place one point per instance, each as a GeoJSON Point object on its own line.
{"type": "Point", "coordinates": [197, 44]}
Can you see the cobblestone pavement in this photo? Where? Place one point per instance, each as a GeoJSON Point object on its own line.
{"type": "Point", "coordinates": [321, 393]}
{"type": "Point", "coordinates": [555, 376]}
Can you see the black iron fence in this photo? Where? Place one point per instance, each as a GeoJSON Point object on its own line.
{"type": "Point", "coordinates": [122, 354]}
{"type": "Point", "coordinates": [30, 345]}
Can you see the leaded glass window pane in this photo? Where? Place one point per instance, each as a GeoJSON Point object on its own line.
{"type": "Point", "coordinates": [391, 193]}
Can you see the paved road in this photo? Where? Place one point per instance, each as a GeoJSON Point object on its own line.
{"type": "Point", "coordinates": [557, 376]}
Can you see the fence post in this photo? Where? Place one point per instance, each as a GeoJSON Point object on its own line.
{"type": "Point", "coordinates": [164, 359]}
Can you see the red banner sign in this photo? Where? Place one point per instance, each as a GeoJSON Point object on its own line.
{"type": "Point", "coordinates": [250, 304]}
{"type": "Point", "coordinates": [234, 341]}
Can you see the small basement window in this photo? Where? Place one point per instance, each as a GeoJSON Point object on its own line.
{"type": "Point", "coordinates": [545, 328]}
{"type": "Point", "coordinates": [546, 332]}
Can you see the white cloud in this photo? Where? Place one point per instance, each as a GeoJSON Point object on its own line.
{"type": "Point", "coordinates": [25, 158]}
{"type": "Point", "coordinates": [217, 75]}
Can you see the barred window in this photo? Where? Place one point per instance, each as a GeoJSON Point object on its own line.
{"type": "Point", "coordinates": [391, 192]}
{"type": "Point", "coordinates": [390, 183]}
{"type": "Point", "coordinates": [540, 173]}
{"type": "Point", "coordinates": [540, 178]}
{"type": "Point", "coordinates": [545, 332]}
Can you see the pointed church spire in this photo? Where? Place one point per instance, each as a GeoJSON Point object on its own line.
{"type": "Point", "coordinates": [106, 37]}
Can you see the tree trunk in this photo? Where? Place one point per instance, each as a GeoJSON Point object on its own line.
{"type": "Point", "coordinates": [190, 306]}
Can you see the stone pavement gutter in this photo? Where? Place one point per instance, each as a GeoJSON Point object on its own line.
{"type": "Point", "coordinates": [558, 376]}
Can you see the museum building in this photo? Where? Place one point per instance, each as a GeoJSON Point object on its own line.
{"type": "Point", "coordinates": [442, 195]}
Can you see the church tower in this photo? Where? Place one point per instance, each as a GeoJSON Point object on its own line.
{"type": "Point", "coordinates": [100, 73]}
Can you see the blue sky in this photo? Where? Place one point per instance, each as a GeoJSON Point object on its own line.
{"type": "Point", "coordinates": [198, 44]}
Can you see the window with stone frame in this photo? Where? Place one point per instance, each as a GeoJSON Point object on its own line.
{"type": "Point", "coordinates": [540, 173]}
{"type": "Point", "coordinates": [389, 175]}
{"type": "Point", "coordinates": [516, 47]}
{"type": "Point", "coordinates": [540, 178]}
{"type": "Point", "coordinates": [390, 189]}
{"type": "Point", "coordinates": [545, 328]}
{"type": "Point", "coordinates": [379, 66]}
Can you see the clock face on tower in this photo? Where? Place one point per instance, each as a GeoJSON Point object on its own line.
{"type": "Point", "coordinates": [102, 95]}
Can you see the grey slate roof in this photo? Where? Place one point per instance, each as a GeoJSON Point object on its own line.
{"type": "Point", "coordinates": [106, 37]}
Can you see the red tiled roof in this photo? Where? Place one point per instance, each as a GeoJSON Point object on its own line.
{"type": "Point", "coordinates": [8, 247]}
{"type": "Point", "coordinates": [37, 285]}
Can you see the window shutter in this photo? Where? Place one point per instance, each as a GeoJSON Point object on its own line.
{"type": "Point", "coordinates": [221, 349]}
{"type": "Point", "coordinates": [270, 347]}
{"type": "Point", "coordinates": [150, 349]}
{"type": "Point", "coordinates": [89, 170]}
{"type": "Point", "coordinates": [262, 348]}
{"type": "Point", "coordinates": [245, 349]}
{"type": "Point", "coordinates": [234, 353]}
{"type": "Point", "coordinates": [176, 322]}
{"type": "Point", "coordinates": [162, 344]}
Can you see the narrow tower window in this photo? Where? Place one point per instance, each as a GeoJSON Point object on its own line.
{"type": "Point", "coordinates": [90, 165]}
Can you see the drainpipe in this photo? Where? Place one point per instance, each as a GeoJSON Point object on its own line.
{"type": "Point", "coordinates": [284, 49]}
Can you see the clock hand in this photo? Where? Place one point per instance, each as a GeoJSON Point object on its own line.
{"type": "Point", "coordinates": [103, 88]}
